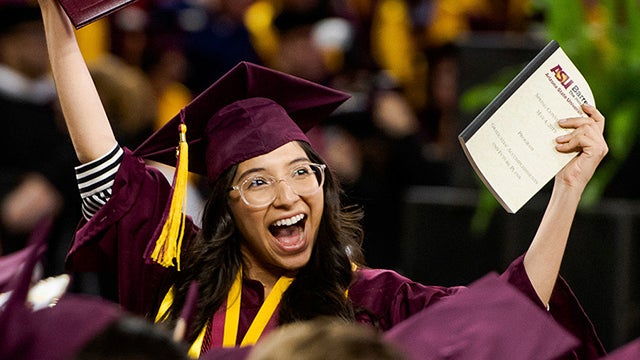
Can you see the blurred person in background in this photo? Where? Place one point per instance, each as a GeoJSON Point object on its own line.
{"type": "Point", "coordinates": [216, 39]}
{"type": "Point", "coordinates": [127, 92]}
{"type": "Point", "coordinates": [36, 181]}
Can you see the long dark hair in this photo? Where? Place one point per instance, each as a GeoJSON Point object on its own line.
{"type": "Point", "coordinates": [319, 287]}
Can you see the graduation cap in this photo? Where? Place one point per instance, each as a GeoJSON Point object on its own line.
{"type": "Point", "coordinates": [54, 331]}
{"type": "Point", "coordinates": [489, 320]}
{"type": "Point", "coordinates": [24, 262]}
{"type": "Point", "coordinates": [250, 111]}
{"type": "Point", "coordinates": [10, 264]}
{"type": "Point", "coordinates": [40, 321]}
{"type": "Point", "coordinates": [629, 351]}
{"type": "Point", "coordinates": [15, 329]}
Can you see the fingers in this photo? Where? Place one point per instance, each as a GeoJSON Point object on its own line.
{"type": "Point", "coordinates": [586, 136]}
{"type": "Point", "coordinates": [593, 113]}
{"type": "Point", "coordinates": [593, 116]}
{"type": "Point", "coordinates": [587, 133]}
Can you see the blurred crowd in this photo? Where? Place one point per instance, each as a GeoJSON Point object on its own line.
{"type": "Point", "coordinates": [397, 58]}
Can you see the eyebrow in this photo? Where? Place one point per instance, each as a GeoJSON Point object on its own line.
{"type": "Point", "coordinates": [259, 169]}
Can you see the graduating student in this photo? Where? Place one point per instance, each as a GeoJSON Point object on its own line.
{"type": "Point", "coordinates": [276, 245]}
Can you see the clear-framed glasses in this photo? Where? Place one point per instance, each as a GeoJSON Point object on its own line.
{"type": "Point", "coordinates": [260, 190]}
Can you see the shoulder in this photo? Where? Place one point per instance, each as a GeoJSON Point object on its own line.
{"type": "Point", "coordinates": [393, 284]}
{"type": "Point", "coordinates": [392, 297]}
{"type": "Point", "coordinates": [368, 277]}
{"type": "Point", "coordinates": [136, 172]}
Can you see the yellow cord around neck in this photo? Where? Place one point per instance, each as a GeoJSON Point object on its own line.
{"type": "Point", "coordinates": [233, 313]}
{"type": "Point", "coordinates": [262, 318]}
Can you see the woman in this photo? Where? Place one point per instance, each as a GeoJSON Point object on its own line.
{"type": "Point", "coordinates": [274, 232]}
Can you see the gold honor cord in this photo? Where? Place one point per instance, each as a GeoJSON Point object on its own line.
{"type": "Point", "coordinates": [232, 317]}
{"type": "Point", "coordinates": [266, 311]}
{"type": "Point", "coordinates": [261, 320]}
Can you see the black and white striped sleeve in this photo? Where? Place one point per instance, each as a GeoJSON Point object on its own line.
{"type": "Point", "coordinates": [95, 181]}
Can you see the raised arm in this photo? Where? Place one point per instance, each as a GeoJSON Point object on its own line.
{"type": "Point", "coordinates": [544, 256]}
{"type": "Point", "coordinates": [83, 111]}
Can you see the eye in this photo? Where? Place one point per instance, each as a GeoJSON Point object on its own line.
{"type": "Point", "coordinates": [302, 171]}
{"type": "Point", "coordinates": [256, 183]}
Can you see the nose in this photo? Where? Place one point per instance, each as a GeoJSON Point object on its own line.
{"type": "Point", "coordinates": [284, 193]}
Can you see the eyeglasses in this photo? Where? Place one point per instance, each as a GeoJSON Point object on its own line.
{"type": "Point", "coordinates": [260, 190]}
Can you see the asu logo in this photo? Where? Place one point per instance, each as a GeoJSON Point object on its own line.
{"type": "Point", "coordinates": [562, 76]}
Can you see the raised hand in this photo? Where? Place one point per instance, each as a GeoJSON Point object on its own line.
{"type": "Point", "coordinates": [587, 138]}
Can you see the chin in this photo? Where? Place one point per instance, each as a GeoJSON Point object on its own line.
{"type": "Point", "coordinates": [296, 262]}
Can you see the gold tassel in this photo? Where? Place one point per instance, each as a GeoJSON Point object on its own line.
{"type": "Point", "coordinates": [169, 242]}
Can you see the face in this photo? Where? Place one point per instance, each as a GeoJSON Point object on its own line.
{"type": "Point", "coordinates": [268, 244]}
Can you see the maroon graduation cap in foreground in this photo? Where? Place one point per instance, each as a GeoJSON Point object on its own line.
{"type": "Point", "coordinates": [630, 351]}
{"type": "Point", "coordinates": [491, 320]}
{"type": "Point", "coordinates": [56, 332]}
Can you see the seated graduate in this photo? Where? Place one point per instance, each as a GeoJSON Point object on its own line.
{"type": "Point", "coordinates": [276, 245]}
{"type": "Point", "coordinates": [39, 320]}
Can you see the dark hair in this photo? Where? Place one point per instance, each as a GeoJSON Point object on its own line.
{"type": "Point", "coordinates": [319, 287]}
{"type": "Point", "coordinates": [131, 337]}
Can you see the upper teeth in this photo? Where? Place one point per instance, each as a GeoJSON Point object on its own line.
{"type": "Point", "coordinates": [290, 221]}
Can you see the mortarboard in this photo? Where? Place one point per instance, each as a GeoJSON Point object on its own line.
{"type": "Point", "coordinates": [629, 351]}
{"type": "Point", "coordinates": [249, 102]}
{"type": "Point", "coordinates": [489, 320]}
{"type": "Point", "coordinates": [29, 331]}
{"type": "Point", "coordinates": [250, 111]}
{"type": "Point", "coordinates": [24, 262]}
{"type": "Point", "coordinates": [11, 263]}
{"type": "Point", "coordinates": [53, 325]}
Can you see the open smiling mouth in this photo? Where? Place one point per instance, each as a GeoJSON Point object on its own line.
{"type": "Point", "coordinates": [289, 232]}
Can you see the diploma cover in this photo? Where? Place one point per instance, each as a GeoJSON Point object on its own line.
{"type": "Point", "coordinates": [84, 12]}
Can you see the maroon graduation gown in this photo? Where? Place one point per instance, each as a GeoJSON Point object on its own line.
{"type": "Point", "coordinates": [119, 235]}
{"type": "Point", "coordinates": [630, 351]}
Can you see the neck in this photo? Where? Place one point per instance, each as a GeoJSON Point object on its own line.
{"type": "Point", "coordinates": [267, 278]}
{"type": "Point", "coordinates": [267, 275]}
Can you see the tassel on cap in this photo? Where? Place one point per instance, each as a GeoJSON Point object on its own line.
{"type": "Point", "coordinates": [169, 242]}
